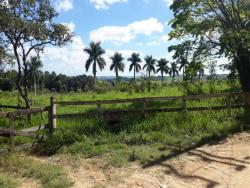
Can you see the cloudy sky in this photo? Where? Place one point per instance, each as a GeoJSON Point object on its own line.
{"type": "Point", "coordinates": [124, 26]}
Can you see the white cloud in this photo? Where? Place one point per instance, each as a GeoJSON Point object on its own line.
{"type": "Point", "coordinates": [63, 5]}
{"type": "Point", "coordinates": [70, 59]}
{"type": "Point", "coordinates": [124, 34]}
{"type": "Point", "coordinates": [165, 38]}
{"type": "Point", "coordinates": [71, 26]}
{"type": "Point", "coordinates": [168, 2]}
{"type": "Point", "coordinates": [104, 4]}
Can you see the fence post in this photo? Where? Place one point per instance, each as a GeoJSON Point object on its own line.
{"type": "Point", "coordinates": [99, 109]}
{"type": "Point", "coordinates": [229, 102]}
{"type": "Point", "coordinates": [52, 114]}
{"type": "Point", "coordinates": [12, 136]}
{"type": "Point", "coordinates": [1, 108]}
{"type": "Point", "coordinates": [184, 104]}
{"type": "Point", "coordinates": [144, 107]}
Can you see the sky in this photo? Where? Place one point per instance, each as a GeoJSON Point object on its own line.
{"type": "Point", "coordinates": [124, 26]}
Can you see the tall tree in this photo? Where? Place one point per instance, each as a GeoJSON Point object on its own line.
{"type": "Point", "coordinates": [150, 65]}
{"type": "Point", "coordinates": [95, 53]}
{"type": "Point", "coordinates": [135, 63]}
{"type": "Point", "coordinates": [162, 68]}
{"type": "Point", "coordinates": [117, 65]}
{"type": "Point", "coordinates": [222, 27]}
{"type": "Point", "coordinates": [173, 71]}
{"type": "Point", "coordinates": [34, 65]}
{"type": "Point", "coordinates": [27, 26]}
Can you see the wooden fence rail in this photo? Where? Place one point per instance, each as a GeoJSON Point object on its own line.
{"type": "Point", "coordinates": [52, 110]}
{"type": "Point", "coordinates": [144, 101]}
{"type": "Point", "coordinates": [2, 107]}
{"type": "Point", "coordinates": [147, 99]}
{"type": "Point", "coordinates": [11, 132]}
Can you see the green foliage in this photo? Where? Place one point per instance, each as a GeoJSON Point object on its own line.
{"type": "Point", "coordinates": [213, 28]}
{"type": "Point", "coordinates": [117, 65]}
{"type": "Point", "coordinates": [95, 53]}
{"type": "Point", "coordinates": [149, 65]}
{"type": "Point", "coordinates": [135, 63]}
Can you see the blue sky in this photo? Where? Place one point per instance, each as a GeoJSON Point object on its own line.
{"type": "Point", "coordinates": [123, 26]}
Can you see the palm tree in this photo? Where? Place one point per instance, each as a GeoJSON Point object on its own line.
{"type": "Point", "coordinates": [162, 68]}
{"type": "Point", "coordinates": [183, 63]}
{"type": "Point", "coordinates": [173, 71]}
{"type": "Point", "coordinates": [95, 53]}
{"type": "Point", "coordinates": [150, 65]}
{"type": "Point", "coordinates": [33, 68]}
{"type": "Point", "coordinates": [117, 64]}
{"type": "Point", "coordinates": [196, 69]}
{"type": "Point", "coordinates": [135, 63]}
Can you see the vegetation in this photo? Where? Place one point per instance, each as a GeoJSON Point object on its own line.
{"type": "Point", "coordinates": [217, 28]}
{"type": "Point", "coordinates": [173, 71]}
{"type": "Point", "coordinates": [117, 65]}
{"type": "Point", "coordinates": [50, 176]}
{"type": "Point", "coordinates": [33, 70]}
{"type": "Point", "coordinates": [95, 53]}
{"type": "Point", "coordinates": [135, 63]}
{"type": "Point", "coordinates": [162, 68]}
{"type": "Point", "coordinates": [28, 26]}
{"type": "Point", "coordinates": [150, 65]}
{"type": "Point", "coordinates": [207, 30]}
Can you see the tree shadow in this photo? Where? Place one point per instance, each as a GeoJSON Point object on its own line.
{"type": "Point", "coordinates": [172, 170]}
{"type": "Point", "coordinates": [238, 164]}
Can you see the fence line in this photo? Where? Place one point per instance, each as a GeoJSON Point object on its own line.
{"type": "Point", "coordinates": [52, 111]}
{"type": "Point", "coordinates": [147, 99]}
{"type": "Point", "coordinates": [144, 101]}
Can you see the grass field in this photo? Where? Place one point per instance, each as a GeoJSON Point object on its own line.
{"type": "Point", "coordinates": [135, 137]}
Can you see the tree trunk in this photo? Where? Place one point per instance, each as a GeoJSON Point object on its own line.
{"type": "Point", "coordinates": [94, 72]}
{"type": "Point", "coordinates": [243, 67]}
{"type": "Point", "coordinates": [35, 85]}
{"type": "Point", "coordinates": [134, 74]}
{"type": "Point", "coordinates": [22, 91]}
{"type": "Point", "coordinates": [148, 75]}
{"type": "Point", "coordinates": [117, 77]}
{"type": "Point", "coordinates": [183, 73]}
{"type": "Point", "coordinates": [162, 78]}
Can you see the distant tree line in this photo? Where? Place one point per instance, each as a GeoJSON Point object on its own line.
{"type": "Point", "coordinates": [42, 81]}
{"type": "Point", "coordinates": [192, 70]}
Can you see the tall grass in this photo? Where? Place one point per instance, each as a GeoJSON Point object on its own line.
{"type": "Point", "coordinates": [133, 136]}
{"type": "Point", "coordinates": [50, 176]}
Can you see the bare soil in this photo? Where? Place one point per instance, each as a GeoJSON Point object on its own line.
{"type": "Point", "coordinates": [225, 163]}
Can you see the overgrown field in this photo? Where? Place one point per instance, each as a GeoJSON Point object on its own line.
{"type": "Point", "coordinates": [134, 137]}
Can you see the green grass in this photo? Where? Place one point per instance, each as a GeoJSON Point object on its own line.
{"type": "Point", "coordinates": [6, 181]}
{"type": "Point", "coordinates": [134, 137]}
{"type": "Point", "coordinates": [50, 176]}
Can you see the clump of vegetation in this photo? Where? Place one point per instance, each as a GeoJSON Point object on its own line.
{"type": "Point", "coordinates": [7, 181]}
{"type": "Point", "coordinates": [50, 176]}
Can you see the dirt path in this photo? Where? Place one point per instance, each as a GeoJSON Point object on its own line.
{"type": "Point", "coordinates": [224, 164]}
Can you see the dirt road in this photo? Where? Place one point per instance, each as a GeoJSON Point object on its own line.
{"type": "Point", "coordinates": [222, 164]}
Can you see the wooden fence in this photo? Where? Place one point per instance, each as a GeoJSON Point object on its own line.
{"type": "Point", "coordinates": [145, 105]}
{"type": "Point", "coordinates": [144, 108]}
{"type": "Point", "coordinates": [11, 132]}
